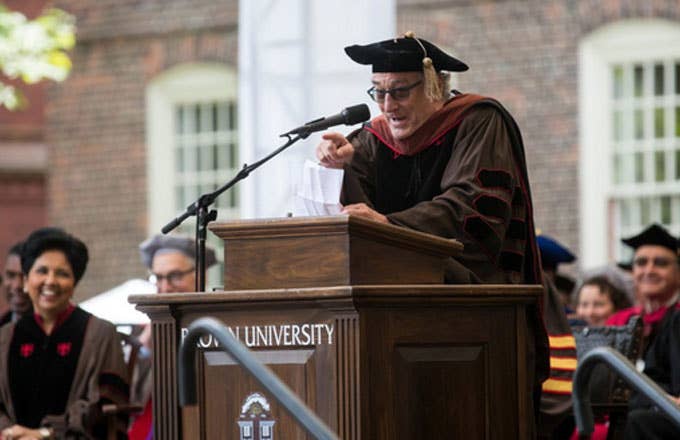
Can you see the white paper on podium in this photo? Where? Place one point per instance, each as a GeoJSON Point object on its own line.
{"type": "Point", "coordinates": [319, 193]}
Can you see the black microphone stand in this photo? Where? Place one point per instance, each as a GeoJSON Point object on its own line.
{"type": "Point", "coordinates": [203, 216]}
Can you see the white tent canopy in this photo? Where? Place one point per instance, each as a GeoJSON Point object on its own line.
{"type": "Point", "coordinates": [113, 304]}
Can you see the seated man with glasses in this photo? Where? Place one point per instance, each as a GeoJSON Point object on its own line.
{"type": "Point", "coordinates": [656, 277]}
{"type": "Point", "coordinates": [444, 163]}
{"type": "Point", "coordinates": [171, 260]}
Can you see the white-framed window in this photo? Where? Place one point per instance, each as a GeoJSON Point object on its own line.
{"type": "Point", "coordinates": [629, 81]}
{"type": "Point", "coordinates": [206, 152]}
{"type": "Point", "coordinates": [192, 146]}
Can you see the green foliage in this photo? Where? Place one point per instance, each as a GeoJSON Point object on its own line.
{"type": "Point", "coordinates": [33, 50]}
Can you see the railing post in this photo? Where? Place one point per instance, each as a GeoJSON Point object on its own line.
{"type": "Point", "coordinates": [624, 368]}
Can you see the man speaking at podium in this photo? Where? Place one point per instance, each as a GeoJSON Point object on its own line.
{"type": "Point", "coordinates": [441, 162]}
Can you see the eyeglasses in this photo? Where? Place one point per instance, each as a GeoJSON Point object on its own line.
{"type": "Point", "coordinates": [397, 93]}
{"type": "Point", "coordinates": [656, 261]}
{"type": "Point", "coordinates": [173, 277]}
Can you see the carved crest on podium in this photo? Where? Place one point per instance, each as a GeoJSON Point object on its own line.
{"type": "Point", "coordinates": [255, 421]}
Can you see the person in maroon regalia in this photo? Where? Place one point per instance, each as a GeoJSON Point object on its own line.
{"type": "Point", "coordinates": [656, 276]}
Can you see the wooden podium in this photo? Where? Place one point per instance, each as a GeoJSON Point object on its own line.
{"type": "Point", "coordinates": [354, 317]}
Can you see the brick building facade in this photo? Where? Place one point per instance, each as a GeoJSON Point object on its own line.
{"type": "Point", "coordinates": [524, 53]}
{"type": "Point", "coordinates": [96, 119]}
{"type": "Point", "coordinates": [23, 156]}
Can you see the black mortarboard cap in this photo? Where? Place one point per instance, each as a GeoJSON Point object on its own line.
{"type": "Point", "coordinates": [654, 235]}
{"type": "Point", "coordinates": [403, 55]}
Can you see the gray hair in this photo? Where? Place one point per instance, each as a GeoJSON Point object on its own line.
{"type": "Point", "coordinates": [445, 84]}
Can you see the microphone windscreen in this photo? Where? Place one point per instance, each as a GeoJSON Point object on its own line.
{"type": "Point", "coordinates": [356, 113]}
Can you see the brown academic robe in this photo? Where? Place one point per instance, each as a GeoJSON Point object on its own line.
{"type": "Point", "coordinates": [478, 194]}
{"type": "Point", "coordinates": [482, 198]}
{"type": "Point", "coordinates": [101, 352]}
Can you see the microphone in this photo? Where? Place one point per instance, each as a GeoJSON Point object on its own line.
{"type": "Point", "coordinates": [349, 116]}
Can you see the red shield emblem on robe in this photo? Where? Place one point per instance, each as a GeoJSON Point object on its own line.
{"type": "Point", "coordinates": [26, 349]}
{"type": "Point", "coordinates": [63, 348]}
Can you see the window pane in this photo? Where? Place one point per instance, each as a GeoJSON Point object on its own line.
{"type": "Point", "coordinates": [233, 155]}
{"type": "Point", "coordinates": [659, 166]}
{"type": "Point", "coordinates": [233, 197]}
{"type": "Point", "coordinates": [617, 169]}
{"type": "Point", "coordinates": [665, 209]}
{"type": "Point", "coordinates": [618, 125]}
{"type": "Point", "coordinates": [677, 78]}
{"type": "Point", "coordinates": [638, 80]}
{"type": "Point", "coordinates": [207, 118]}
{"type": "Point", "coordinates": [677, 122]}
{"type": "Point", "coordinates": [677, 164]}
{"type": "Point", "coordinates": [206, 188]}
{"type": "Point", "coordinates": [179, 197]}
{"type": "Point", "coordinates": [215, 156]}
{"type": "Point", "coordinates": [190, 194]}
{"type": "Point", "coordinates": [179, 120]}
{"type": "Point", "coordinates": [196, 118]}
{"type": "Point", "coordinates": [179, 158]}
{"type": "Point", "coordinates": [639, 124]}
{"type": "Point", "coordinates": [617, 75]}
{"type": "Point", "coordinates": [624, 168]}
{"type": "Point", "coordinates": [222, 157]}
{"type": "Point", "coordinates": [658, 79]}
{"type": "Point", "coordinates": [639, 167]}
{"type": "Point", "coordinates": [222, 117]}
{"type": "Point", "coordinates": [189, 125]}
{"type": "Point", "coordinates": [191, 158]}
{"type": "Point", "coordinates": [659, 122]}
{"type": "Point", "coordinates": [645, 212]}
{"type": "Point", "coordinates": [206, 156]}
{"type": "Point", "coordinates": [625, 213]}
{"type": "Point", "coordinates": [233, 114]}
{"type": "Point", "coordinates": [223, 199]}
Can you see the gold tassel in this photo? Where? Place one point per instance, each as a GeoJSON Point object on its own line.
{"type": "Point", "coordinates": [430, 78]}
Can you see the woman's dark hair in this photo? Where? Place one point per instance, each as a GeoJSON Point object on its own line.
{"type": "Point", "coordinates": [50, 239]}
{"type": "Point", "coordinates": [617, 296]}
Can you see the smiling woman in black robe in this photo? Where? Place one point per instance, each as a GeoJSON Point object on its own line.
{"type": "Point", "coordinates": [60, 364]}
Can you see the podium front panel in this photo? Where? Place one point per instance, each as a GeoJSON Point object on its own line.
{"type": "Point", "coordinates": [299, 346]}
{"type": "Point", "coordinates": [373, 362]}
{"type": "Point", "coordinates": [457, 367]}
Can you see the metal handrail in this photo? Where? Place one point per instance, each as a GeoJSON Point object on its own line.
{"type": "Point", "coordinates": [187, 375]}
{"type": "Point", "coordinates": [626, 370]}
